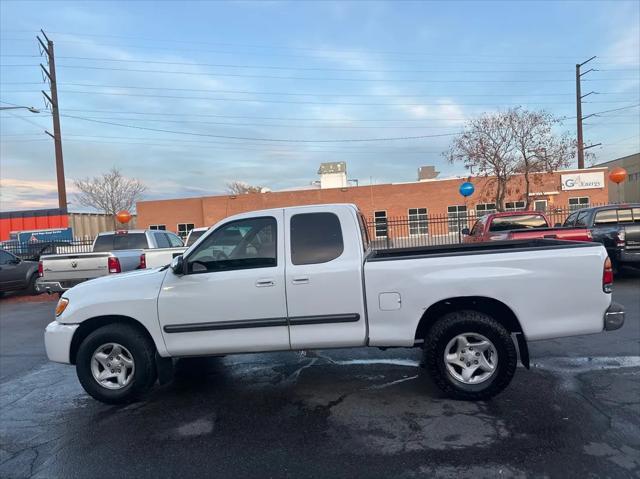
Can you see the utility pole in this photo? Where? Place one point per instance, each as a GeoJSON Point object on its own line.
{"type": "Point", "coordinates": [52, 99]}
{"type": "Point", "coordinates": [579, 118]}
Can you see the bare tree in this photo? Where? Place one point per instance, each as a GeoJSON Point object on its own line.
{"type": "Point", "coordinates": [516, 141]}
{"type": "Point", "coordinates": [242, 188]}
{"type": "Point", "coordinates": [539, 149]}
{"type": "Point", "coordinates": [487, 147]}
{"type": "Point", "coordinates": [110, 192]}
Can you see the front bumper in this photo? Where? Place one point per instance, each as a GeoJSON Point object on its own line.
{"type": "Point", "coordinates": [57, 341]}
{"type": "Point", "coordinates": [614, 317]}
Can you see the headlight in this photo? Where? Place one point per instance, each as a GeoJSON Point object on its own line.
{"type": "Point", "coordinates": [61, 306]}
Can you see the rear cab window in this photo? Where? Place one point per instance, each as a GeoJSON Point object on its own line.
{"type": "Point", "coordinates": [625, 215]}
{"type": "Point", "coordinates": [506, 223]}
{"type": "Point", "coordinates": [315, 238]}
{"type": "Point", "coordinates": [606, 217]}
{"type": "Point", "coordinates": [120, 241]}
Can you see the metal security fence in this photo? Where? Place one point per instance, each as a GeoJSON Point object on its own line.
{"type": "Point", "coordinates": [420, 229]}
{"type": "Point", "coordinates": [33, 251]}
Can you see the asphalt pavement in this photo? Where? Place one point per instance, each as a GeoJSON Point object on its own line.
{"type": "Point", "coordinates": [332, 413]}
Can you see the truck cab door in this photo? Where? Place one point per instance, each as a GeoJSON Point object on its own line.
{"type": "Point", "coordinates": [230, 296]}
{"type": "Point", "coordinates": [10, 272]}
{"type": "Point", "coordinates": [325, 297]}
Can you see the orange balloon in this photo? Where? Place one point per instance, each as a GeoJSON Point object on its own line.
{"type": "Point", "coordinates": [617, 174]}
{"type": "Point", "coordinates": [123, 217]}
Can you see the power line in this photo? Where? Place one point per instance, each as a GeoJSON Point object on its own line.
{"type": "Point", "coordinates": [288, 125]}
{"type": "Point", "coordinates": [311, 49]}
{"type": "Point", "coordinates": [279, 140]}
{"type": "Point", "coordinates": [296, 68]}
{"type": "Point", "coordinates": [291, 102]}
{"type": "Point", "coordinates": [313, 94]}
{"type": "Point", "coordinates": [367, 80]}
{"type": "Point", "coordinates": [281, 118]}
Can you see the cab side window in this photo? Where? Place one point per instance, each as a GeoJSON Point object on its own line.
{"type": "Point", "coordinates": [161, 240]}
{"type": "Point", "coordinates": [241, 244]}
{"type": "Point", "coordinates": [7, 258]}
{"type": "Point", "coordinates": [174, 241]}
{"type": "Point", "coordinates": [315, 238]}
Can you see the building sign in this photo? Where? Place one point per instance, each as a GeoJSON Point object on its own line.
{"type": "Point", "coordinates": [583, 181]}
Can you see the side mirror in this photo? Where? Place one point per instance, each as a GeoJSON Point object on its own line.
{"type": "Point", "coordinates": [465, 231]}
{"type": "Point", "coordinates": [16, 261]}
{"type": "Point", "coordinates": [177, 265]}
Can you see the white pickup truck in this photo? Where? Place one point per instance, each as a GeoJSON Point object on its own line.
{"type": "Point", "coordinates": [304, 277]}
{"type": "Point", "coordinates": [112, 252]}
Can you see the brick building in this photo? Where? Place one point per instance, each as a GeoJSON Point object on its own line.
{"type": "Point", "coordinates": [567, 189]}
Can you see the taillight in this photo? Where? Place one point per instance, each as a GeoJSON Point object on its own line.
{"type": "Point", "coordinates": [143, 262]}
{"type": "Point", "coordinates": [40, 269]}
{"type": "Point", "coordinates": [114, 265]}
{"type": "Point", "coordinates": [620, 238]}
{"type": "Point", "coordinates": [607, 276]}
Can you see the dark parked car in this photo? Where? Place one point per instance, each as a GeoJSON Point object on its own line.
{"type": "Point", "coordinates": [17, 274]}
{"type": "Point", "coordinates": [617, 227]}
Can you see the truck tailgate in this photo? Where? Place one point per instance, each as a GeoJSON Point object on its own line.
{"type": "Point", "coordinates": [632, 237]}
{"type": "Point", "coordinates": [74, 266]}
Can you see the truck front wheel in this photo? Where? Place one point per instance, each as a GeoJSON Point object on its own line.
{"type": "Point", "coordinates": [115, 364]}
{"type": "Point", "coordinates": [470, 355]}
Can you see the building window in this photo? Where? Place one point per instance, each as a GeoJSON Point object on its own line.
{"type": "Point", "coordinates": [418, 221]}
{"type": "Point", "coordinates": [514, 206]}
{"type": "Point", "coordinates": [485, 209]}
{"type": "Point", "coordinates": [184, 228]}
{"type": "Point", "coordinates": [457, 215]}
{"type": "Point", "coordinates": [380, 223]}
{"type": "Point", "coordinates": [540, 205]}
{"type": "Point", "coordinates": [578, 203]}
{"type": "Point", "coordinates": [158, 227]}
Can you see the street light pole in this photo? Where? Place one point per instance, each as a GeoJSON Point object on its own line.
{"type": "Point", "coordinates": [30, 108]}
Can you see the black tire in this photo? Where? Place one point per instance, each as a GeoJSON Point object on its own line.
{"type": "Point", "coordinates": [31, 285]}
{"type": "Point", "coordinates": [140, 347]}
{"type": "Point", "coordinates": [460, 322]}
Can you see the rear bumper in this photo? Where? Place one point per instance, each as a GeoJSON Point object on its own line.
{"type": "Point", "coordinates": [614, 317]}
{"type": "Point", "coordinates": [43, 286]}
{"type": "Point", "coordinates": [627, 256]}
{"type": "Point", "coordinates": [49, 287]}
{"type": "Point", "coordinates": [57, 341]}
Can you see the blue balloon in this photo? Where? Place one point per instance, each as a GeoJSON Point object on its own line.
{"type": "Point", "coordinates": [466, 189]}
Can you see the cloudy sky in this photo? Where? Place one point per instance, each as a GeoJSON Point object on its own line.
{"type": "Point", "coordinates": [188, 96]}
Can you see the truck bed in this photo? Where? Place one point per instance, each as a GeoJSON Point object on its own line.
{"type": "Point", "coordinates": [473, 248]}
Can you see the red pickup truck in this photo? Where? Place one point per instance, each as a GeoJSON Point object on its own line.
{"type": "Point", "coordinates": [520, 225]}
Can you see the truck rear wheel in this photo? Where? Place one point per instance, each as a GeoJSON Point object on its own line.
{"type": "Point", "coordinates": [470, 355]}
{"type": "Point", "coordinates": [115, 364]}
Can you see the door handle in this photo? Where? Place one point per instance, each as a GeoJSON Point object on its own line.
{"type": "Point", "coordinates": [265, 283]}
{"type": "Point", "coordinates": [301, 280]}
